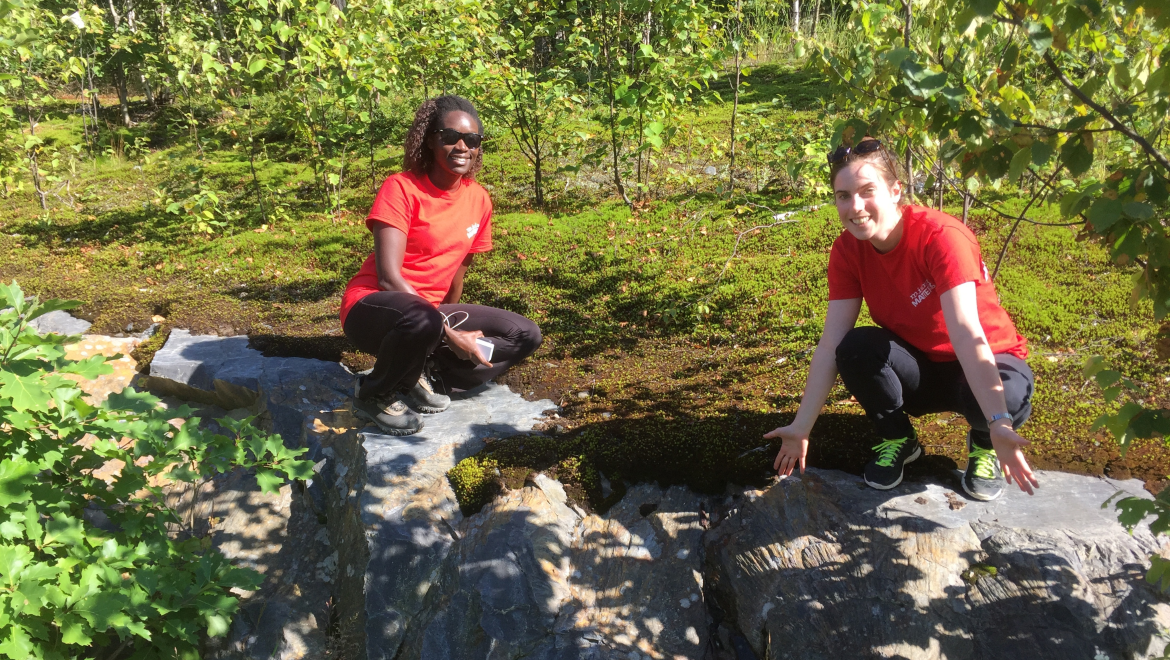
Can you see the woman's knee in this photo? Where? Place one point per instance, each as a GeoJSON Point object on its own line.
{"type": "Point", "coordinates": [420, 319]}
{"type": "Point", "coordinates": [529, 338]}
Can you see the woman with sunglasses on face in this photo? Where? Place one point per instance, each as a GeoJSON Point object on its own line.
{"type": "Point", "coordinates": [943, 342]}
{"type": "Point", "coordinates": [403, 304]}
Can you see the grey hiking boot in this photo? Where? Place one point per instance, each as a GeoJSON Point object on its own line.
{"type": "Point", "coordinates": [389, 413]}
{"type": "Point", "coordinates": [424, 396]}
{"type": "Point", "coordinates": [982, 479]}
{"type": "Point", "coordinates": [885, 470]}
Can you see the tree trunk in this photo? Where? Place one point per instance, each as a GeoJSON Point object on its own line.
{"type": "Point", "coordinates": [816, 18]}
{"type": "Point", "coordinates": [123, 94]}
{"type": "Point", "coordinates": [966, 205]}
{"type": "Point", "coordinates": [795, 16]}
{"type": "Point", "coordinates": [146, 88]}
{"type": "Point", "coordinates": [909, 153]}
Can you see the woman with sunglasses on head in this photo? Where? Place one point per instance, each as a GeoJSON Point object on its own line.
{"type": "Point", "coordinates": [403, 304]}
{"type": "Point", "coordinates": [943, 342]}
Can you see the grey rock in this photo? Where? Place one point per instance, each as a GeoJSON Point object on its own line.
{"type": "Point", "coordinates": [819, 566]}
{"type": "Point", "coordinates": [61, 323]}
{"type": "Point", "coordinates": [530, 578]}
{"type": "Point", "coordinates": [291, 387]}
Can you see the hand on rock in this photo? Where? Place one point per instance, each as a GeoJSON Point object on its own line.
{"type": "Point", "coordinates": [792, 450]}
{"type": "Point", "coordinates": [1009, 450]}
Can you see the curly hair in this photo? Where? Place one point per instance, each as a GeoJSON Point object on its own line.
{"type": "Point", "coordinates": [417, 156]}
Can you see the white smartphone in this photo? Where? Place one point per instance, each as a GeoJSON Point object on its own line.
{"type": "Point", "coordinates": [486, 348]}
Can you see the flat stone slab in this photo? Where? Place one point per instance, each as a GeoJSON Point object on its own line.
{"type": "Point", "coordinates": [60, 322]}
{"type": "Point", "coordinates": [823, 565]}
{"type": "Point", "coordinates": [292, 387]}
{"type": "Point", "coordinates": [395, 462]}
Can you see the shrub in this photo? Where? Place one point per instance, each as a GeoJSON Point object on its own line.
{"type": "Point", "coordinates": [88, 565]}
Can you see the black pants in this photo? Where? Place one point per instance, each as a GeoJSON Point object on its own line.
{"type": "Point", "coordinates": [403, 330]}
{"type": "Point", "coordinates": [891, 380]}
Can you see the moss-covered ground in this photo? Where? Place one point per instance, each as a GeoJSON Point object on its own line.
{"type": "Point", "coordinates": [669, 358]}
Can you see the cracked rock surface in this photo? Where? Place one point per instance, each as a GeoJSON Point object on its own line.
{"type": "Point", "coordinates": [822, 565]}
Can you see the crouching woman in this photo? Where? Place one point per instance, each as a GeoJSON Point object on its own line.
{"type": "Point", "coordinates": [403, 305]}
{"type": "Point", "coordinates": [943, 342]}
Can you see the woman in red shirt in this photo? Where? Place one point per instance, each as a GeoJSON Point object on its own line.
{"type": "Point", "coordinates": [943, 342]}
{"type": "Point", "coordinates": [403, 305]}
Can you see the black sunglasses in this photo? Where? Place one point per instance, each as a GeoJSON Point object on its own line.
{"type": "Point", "coordinates": [864, 147]}
{"type": "Point", "coordinates": [450, 136]}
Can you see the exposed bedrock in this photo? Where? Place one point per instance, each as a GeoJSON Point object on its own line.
{"type": "Point", "coordinates": [818, 566]}
{"type": "Point", "coordinates": [822, 566]}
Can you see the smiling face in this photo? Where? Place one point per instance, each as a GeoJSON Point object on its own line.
{"type": "Point", "coordinates": [453, 159]}
{"type": "Point", "coordinates": [867, 205]}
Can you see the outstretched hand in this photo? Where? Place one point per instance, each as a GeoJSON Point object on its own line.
{"type": "Point", "coordinates": [1009, 450]}
{"type": "Point", "coordinates": [792, 450]}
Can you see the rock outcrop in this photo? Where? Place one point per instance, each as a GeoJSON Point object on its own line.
{"type": "Point", "coordinates": [823, 566]}
{"type": "Point", "coordinates": [374, 548]}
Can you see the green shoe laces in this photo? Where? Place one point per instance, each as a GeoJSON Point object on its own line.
{"type": "Point", "coordinates": [984, 462]}
{"type": "Point", "coordinates": [888, 451]}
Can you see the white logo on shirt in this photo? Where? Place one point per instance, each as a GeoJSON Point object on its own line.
{"type": "Point", "coordinates": [472, 230]}
{"type": "Point", "coordinates": [922, 292]}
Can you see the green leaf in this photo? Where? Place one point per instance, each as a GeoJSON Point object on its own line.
{"type": "Point", "coordinates": [268, 480]}
{"type": "Point", "coordinates": [74, 631]}
{"type": "Point", "coordinates": [1020, 163]}
{"type": "Point", "coordinates": [104, 610]}
{"type": "Point", "coordinates": [1040, 36]}
{"type": "Point", "coordinates": [256, 66]}
{"type": "Point", "coordinates": [1138, 210]}
{"type": "Point", "coordinates": [1041, 153]}
{"type": "Point", "coordinates": [52, 306]}
{"type": "Point", "coordinates": [13, 560]}
{"type": "Point", "coordinates": [1075, 155]}
{"type": "Point", "coordinates": [996, 161]}
{"type": "Point", "coordinates": [983, 7]}
{"type": "Point", "coordinates": [16, 476]}
{"type": "Point", "coordinates": [1075, 18]}
{"type": "Point", "coordinates": [1134, 510]}
{"type": "Point", "coordinates": [17, 645]}
{"type": "Point", "coordinates": [65, 529]}
{"type": "Point", "coordinates": [25, 392]}
{"type": "Point", "coordinates": [89, 368]}
{"type": "Point", "coordinates": [1104, 213]}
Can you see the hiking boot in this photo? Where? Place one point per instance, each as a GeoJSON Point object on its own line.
{"type": "Point", "coordinates": [390, 414]}
{"type": "Point", "coordinates": [982, 479]}
{"type": "Point", "coordinates": [424, 396]}
{"type": "Point", "coordinates": [885, 470]}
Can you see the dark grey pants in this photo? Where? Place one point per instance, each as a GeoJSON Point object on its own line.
{"type": "Point", "coordinates": [891, 380]}
{"type": "Point", "coordinates": [403, 330]}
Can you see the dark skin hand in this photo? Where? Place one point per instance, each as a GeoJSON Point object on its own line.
{"type": "Point", "coordinates": [450, 163]}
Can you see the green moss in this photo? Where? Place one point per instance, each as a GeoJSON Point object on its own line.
{"type": "Point", "coordinates": [144, 352]}
{"type": "Point", "coordinates": [475, 481]}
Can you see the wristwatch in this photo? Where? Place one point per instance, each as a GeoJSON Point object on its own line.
{"type": "Point", "coordinates": [998, 416]}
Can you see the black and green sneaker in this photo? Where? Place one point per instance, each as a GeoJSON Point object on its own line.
{"type": "Point", "coordinates": [885, 470]}
{"type": "Point", "coordinates": [982, 479]}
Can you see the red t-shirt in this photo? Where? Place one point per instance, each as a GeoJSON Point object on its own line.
{"type": "Point", "coordinates": [903, 287]}
{"type": "Point", "coordinates": [441, 229]}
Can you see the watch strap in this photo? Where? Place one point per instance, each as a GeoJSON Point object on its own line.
{"type": "Point", "coordinates": [998, 416]}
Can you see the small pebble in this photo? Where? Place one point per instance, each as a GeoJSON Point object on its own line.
{"type": "Point", "coordinates": [606, 415]}
{"type": "Point", "coordinates": [582, 395]}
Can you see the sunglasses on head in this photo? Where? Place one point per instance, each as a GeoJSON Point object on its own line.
{"type": "Point", "coordinates": [864, 147]}
{"type": "Point", "coordinates": [450, 136]}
